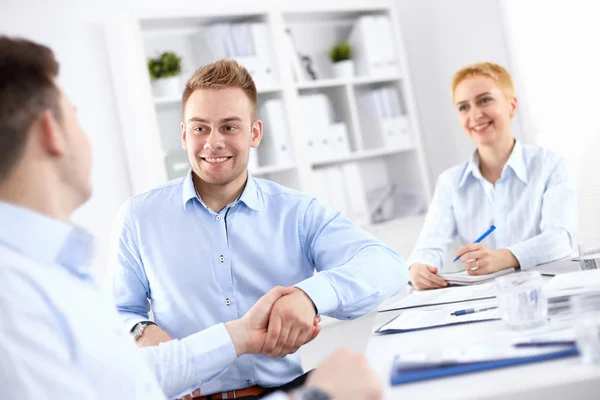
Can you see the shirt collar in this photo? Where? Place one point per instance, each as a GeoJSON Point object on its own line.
{"type": "Point", "coordinates": [46, 240]}
{"type": "Point", "coordinates": [516, 162]}
{"type": "Point", "coordinates": [249, 196]}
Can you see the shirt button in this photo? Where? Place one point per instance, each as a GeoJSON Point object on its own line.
{"type": "Point", "coordinates": [221, 258]}
{"type": "Point", "coordinates": [227, 301]}
{"type": "Point", "coordinates": [249, 382]}
{"type": "Point", "coordinates": [218, 217]}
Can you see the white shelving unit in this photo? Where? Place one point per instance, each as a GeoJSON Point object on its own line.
{"type": "Point", "coordinates": [151, 124]}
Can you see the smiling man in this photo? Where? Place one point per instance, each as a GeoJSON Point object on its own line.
{"type": "Point", "coordinates": [523, 190]}
{"type": "Point", "coordinates": [204, 248]}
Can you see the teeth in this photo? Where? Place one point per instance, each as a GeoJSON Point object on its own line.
{"type": "Point", "coordinates": [216, 160]}
{"type": "Point", "coordinates": [481, 126]}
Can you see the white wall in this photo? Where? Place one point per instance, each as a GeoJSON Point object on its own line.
{"type": "Point", "coordinates": [560, 64]}
{"type": "Point", "coordinates": [440, 38]}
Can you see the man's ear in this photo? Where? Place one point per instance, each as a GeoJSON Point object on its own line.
{"type": "Point", "coordinates": [183, 137]}
{"type": "Point", "coordinates": [257, 132]}
{"type": "Point", "coordinates": [513, 106]}
{"type": "Point", "coordinates": [50, 134]}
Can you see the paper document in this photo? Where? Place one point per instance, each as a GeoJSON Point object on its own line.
{"type": "Point", "coordinates": [444, 296]}
{"type": "Point", "coordinates": [574, 280]}
{"type": "Point", "coordinates": [420, 319]}
{"type": "Point", "coordinates": [463, 278]}
{"type": "Point", "coordinates": [557, 267]}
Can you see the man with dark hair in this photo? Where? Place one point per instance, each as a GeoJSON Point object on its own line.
{"type": "Point", "coordinates": [60, 338]}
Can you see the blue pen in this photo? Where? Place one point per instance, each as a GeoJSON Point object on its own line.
{"type": "Point", "coordinates": [480, 238]}
{"type": "Point", "coordinates": [547, 344]}
{"type": "Point", "coordinates": [471, 311]}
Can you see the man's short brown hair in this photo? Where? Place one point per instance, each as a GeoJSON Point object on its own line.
{"type": "Point", "coordinates": [219, 75]}
{"type": "Point", "coordinates": [27, 88]}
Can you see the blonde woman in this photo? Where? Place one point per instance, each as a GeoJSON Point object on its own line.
{"type": "Point", "coordinates": [523, 190]}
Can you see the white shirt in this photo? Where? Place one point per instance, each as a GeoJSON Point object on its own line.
{"type": "Point", "coordinates": [533, 206]}
{"type": "Point", "coordinates": [60, 338]}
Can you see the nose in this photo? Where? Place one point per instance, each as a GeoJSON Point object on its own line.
{"type": "Point", "coordinates": [475, 113]}
{"type": "Point", "coordinates": [214, 141]}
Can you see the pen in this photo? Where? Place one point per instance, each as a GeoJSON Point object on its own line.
{"type": "Point", "coordinates": [471, 311]}
{"type": "Point", "coordinates": [480, 238]}
{"type": "Point", "coordinates": [546, 344]}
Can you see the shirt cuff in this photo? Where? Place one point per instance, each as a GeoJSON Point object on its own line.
{"type": "Point", "coordinates": [524, 256]}
{"type": "Point", "coordinates": [214, 341]}
{"type": "Point", "coordinates": [321, 292]}
{"type": "Point", "coordinates": [130, 320]}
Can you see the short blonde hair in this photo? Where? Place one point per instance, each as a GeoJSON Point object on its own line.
{"type": "Point", "coordinates": [219, 75]}
{"type": "Point", "coordinates": [491, 70]}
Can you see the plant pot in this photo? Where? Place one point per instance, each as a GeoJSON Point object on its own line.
{"type": "Point", "coordinates": [343, 69]}
{"type": "Point", "coordinates": [166, 87]}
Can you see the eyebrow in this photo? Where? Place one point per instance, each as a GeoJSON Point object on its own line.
{"type": "Point", "coordinates": [478, 96]}
{"type": "Point", "coordinates": [205, 121]}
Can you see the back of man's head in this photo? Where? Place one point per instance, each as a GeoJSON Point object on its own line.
{"type": "Point", "coordinates": [27, 89]}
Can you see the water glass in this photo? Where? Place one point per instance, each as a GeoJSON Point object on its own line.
{"type": "Point", "coordinates": [586, 310]}
{"type": "Point", "coordinates": [521, 301]}
{"type": "Point", "coordinates": [589, 255]}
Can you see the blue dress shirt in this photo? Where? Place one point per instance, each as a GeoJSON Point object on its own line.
{"type": "Point", "coordinates": [60, 336]}
{"type": "Point", "coordinates": [197, 267]}
{"type": "Point", "coordinates": [533, 206]}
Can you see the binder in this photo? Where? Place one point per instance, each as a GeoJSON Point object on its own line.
{"type": "Point", "coordinates": [275, 146]}
{"type": "Point", "coordinates": [372, 43]}
{"type": "Point", "coordinates": [335, 188]}
{"type": "Point", "coordinates": [316, 108]}
{"type": "Point", "coordinates": [338, 138]}
{"type": "Point", "coordinates": [424, 371]}
{"type": "Point", "coordinates": [354, 190]}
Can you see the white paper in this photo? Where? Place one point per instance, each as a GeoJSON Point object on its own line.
{"type": "Point", "coordinates": [415, 319]}
{"type": "Point", "coordinates": [445, 295]}
{"type": "Point", "coordinates": [574, 280]}
{"type": "Point", "coordinates": [463, 278]}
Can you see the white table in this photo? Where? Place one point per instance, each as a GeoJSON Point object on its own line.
{"type": "Point", "coordinates": [560, 379]}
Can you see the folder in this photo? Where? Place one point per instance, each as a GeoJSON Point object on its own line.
{"type": "Point", "coordinates": [416, 371]}
{"type": "Point", "coordinates": [275, 146]}
{"type": "Point", "coordinates": [316, 108]}
{"type": "Point", "coordinates": [338, 139]}
{"type": "Point", "coordinates": [358, 209]}
{"type": "Point", "coordinates": [419, 320]}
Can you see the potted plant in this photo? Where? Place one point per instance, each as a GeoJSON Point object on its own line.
{"type": "Point", "coordinates": [164, 73]}
{"type": "Point", "coordinates": [341, 58]}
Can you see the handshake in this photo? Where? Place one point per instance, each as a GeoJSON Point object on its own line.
{"type": "Point", "coordinates": [278, 324]}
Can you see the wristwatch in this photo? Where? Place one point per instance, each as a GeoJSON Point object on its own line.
{"type": "Point", "coordinates": [310, 393]}
{"type": "Point", "coordinates": [138, 328]}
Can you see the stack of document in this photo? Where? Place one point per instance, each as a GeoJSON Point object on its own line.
{"type": "Point", "coordinates": [248, 43]}
{"type": "Point", "coordinates": [443, 296]}
{"type": "Point", "coordinates": [463, 277]}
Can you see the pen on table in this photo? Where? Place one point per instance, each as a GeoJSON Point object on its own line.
{"type": "Point", "coordinates": [480, 238]}
{"type": "Point", "coordinates": [546, 344]}
{"type": "Point", "coordinates": [472, 310]}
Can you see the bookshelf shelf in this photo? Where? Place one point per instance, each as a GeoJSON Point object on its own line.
{"type": "Point", "coordinates": [303, 118]}
{"type": "Point", "coordinates": [272, 169]}
{"type": "Point", "coordinates": [359, 155]}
